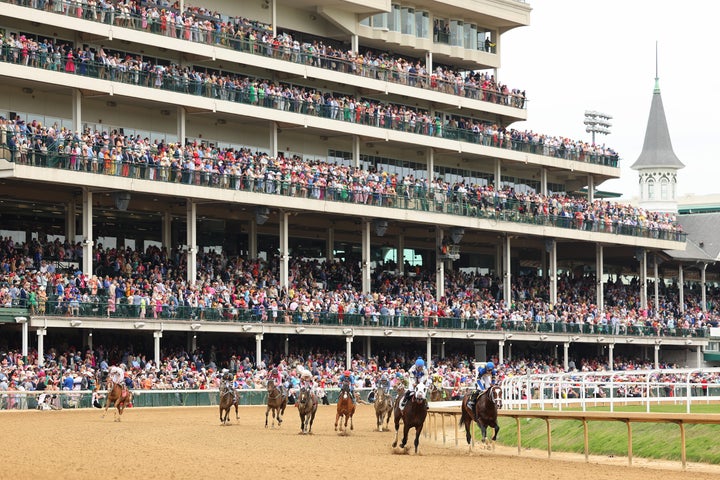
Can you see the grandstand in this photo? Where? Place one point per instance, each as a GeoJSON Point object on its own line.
{"type": "Point", "coordinates": [371, 139]}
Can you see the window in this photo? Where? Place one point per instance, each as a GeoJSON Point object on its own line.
{"type": "Point", "coordinates": [457, 33]}
{"type": "Point", "coordinates": [365, 21]}
{"type": "Point", "coordinates": [422, 24]}
{"type": "Point", "coordinates": [395, 20]}
{"type": "Point", "coordinates": [664, 189]}
{"type": "Point", "coordinates": [651, 189]}
{"type": "Point", "coordinates": [380, 21]}
{"type": "Point", "coordinates": [471, 36]}
{"type": "Point", "coordinates": [408, 20]}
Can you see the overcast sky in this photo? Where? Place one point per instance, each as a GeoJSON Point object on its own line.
{"type": "Point", "coordinates": [583, 55]}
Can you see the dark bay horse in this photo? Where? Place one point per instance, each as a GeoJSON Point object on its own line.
{"type": "Point", "coordinates": [412, 415]}
{"type": "Point", "coordinates": [383, 408]}
{"type": "Point", "coordinates": [484, 413]}
{"type": "Point", "coordinates": [117, 397]}
{"type": "Point", "coordinates": [307, 403]}
{"type": "Point", "coordinates": [228, 399]}
{"type": "Point", "coordinates": [276, 402]}
{"type": "Point", "coordinates": [345, 408]}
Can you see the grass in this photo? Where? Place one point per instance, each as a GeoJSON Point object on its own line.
{"type": "Point", "coordinates": [650, 440]}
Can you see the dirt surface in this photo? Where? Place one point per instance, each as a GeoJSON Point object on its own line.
{"type": "Point", "coordinates": [181, 443]}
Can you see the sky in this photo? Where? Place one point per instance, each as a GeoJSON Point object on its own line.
{"type": "Point", "coordinates": [600, 55]}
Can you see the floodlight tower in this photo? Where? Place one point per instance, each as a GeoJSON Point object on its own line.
{"type": "Point", "coordinates": [596, 122]}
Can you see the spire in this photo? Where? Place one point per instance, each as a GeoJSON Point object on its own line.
{"type": "Point", "coordinates": [657, 150]}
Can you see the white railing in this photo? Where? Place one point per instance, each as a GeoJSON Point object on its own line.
{"type": "Point", "coordinates": [612, 388]}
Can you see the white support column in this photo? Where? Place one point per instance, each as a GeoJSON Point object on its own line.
{"type": "Point", "coordinates": [698, 357]}
{"type": "Point", "coordinates": [611, 356]}
{"type": "Point", "coordinates": [356, 150]}
{"type": "Point", "coordinates": [703, 288]}
{"type": "Point", "coordinates": [643, 279]}
{"type": "Point", "coordinates": [283, 218]}
{"type": "Point", "coordinates": [258, 348]}
{"type": "Point", "coordinates": [348, 351]}
{"type": "Point", "coordinates": [330, 245]}
{"type": "Point", "coordinates": [70, 229]}
{"type": "Point", "coordinates": [77, 110]}
{"type": "Point", "coordinates": [428, 352]}
{"type": "Point", "coordinates": [543, 181]}
{"type": "Point", "coordinates": [252, 239]}
{"type": "Point", "coordinates": [657, 356]}
{"type": "Point", "coordinates": [401, 254]}
{"type": "Point", "coordinates": [181, 122]}
{"type": "Point", "coordinates": [90, 340]}
{"type": "Point", "coordinates": [368, 347]}
{"type": "Point", "coordinates": [499, 259]}
{"type": "Point", "coordinates": [656, 280]}
{"type": "Point", "coordinates": [498, 173]}
{"type": "Point", "coordinates": [566, 355]}
{"type": "Point", "coordinates": [41, 346]}
{"type": "Point", "coordinates": [273, 140]}
{"type": "Point", "coordinates": [590, 188]}
{"type": "Point", "coordinates": [273, 17]}
{"type": "Point", "coordinates": [553, 271]}
{"type": "Point", "coordinates": [439, 265]}
{"type": "Point", "coordinates": [501, 351]}
{"type": "Point", "coordinates": [287, 346]}
{"type": "Point", "coordinates": [681, 288]}
{"type": "Point", "coordinates": [442, 349]}
{"type": "Point", "coordinates": [191, 241]}
{"type": "Point", "coordinates": [354, 43]}
{"type": "Point", "coordinates": [87, 227]}
{"type": "Point", "coordinates": [509, 356]}
{"type": "Point", "coordinates": [192, 336]}
{"type": "Point", "coordinates": [507, 274]}
{"type": "Point", "coordinates": [167, 231]}
{"type": "Point", "coordinates": [599, 274]}
{"type": "Point", "coordinates": [365, 248]}
{"type": "Point", "coordinates": [429, 61]}
{"type": "Point", "coordinates": [430, 161]}
{"type": "Point", "coordinates": [25, 333]}
{"type": "Point", "coordinates": [157, 336]}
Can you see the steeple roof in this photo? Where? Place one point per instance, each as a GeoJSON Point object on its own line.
{"type": "Point", "coordinates": [657, 150]}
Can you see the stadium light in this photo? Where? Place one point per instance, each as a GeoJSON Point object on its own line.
{"type": "Point", "coordinates": [597, 122]}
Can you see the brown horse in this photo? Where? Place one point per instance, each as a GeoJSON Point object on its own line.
{"type": "Point", "coordinates": [307, 403]}
{"type": "Point", "coordinates": [383, 408]}
{"type": "Point", "coordinates": [345, 408]}
{"type": "Point", "coordinates": [228, 399]}
{"type": "Point", "coordinates": [276, 402]}
{"type": "Point", "coordinates": [484, 412]}
{"type": "Point", "coordinates": [118, 397]}
{"type": "Point", "coordinates": [412, 415]}
{"type": "Point", "coordinates": [437, 394]}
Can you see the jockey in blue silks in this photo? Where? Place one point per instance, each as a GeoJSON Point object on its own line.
{"type": "Point", "coordinates": [417, 374]}
{"type": "Point", "coordinates": [484, 379]}
{"type": "Point", "coordinates": [347, 376]}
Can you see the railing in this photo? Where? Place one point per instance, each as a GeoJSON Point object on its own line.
{"type": "Point", "coordinates": [418, 198]}
{"type": "Point", "coordinates": [100, 308]}
{"type": "Point", "coordinates": [627, 387]}
{"type": "Point", "coordinates": [303, 55]}
{"type": "Point", "coordinates": [61, 399]}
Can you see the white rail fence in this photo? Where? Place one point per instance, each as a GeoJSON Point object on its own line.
{"type": "Point", "coordinates": [612, 388]}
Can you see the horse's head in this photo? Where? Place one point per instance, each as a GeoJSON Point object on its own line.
{"type": "Point", "coordinates": [420, 392]}
{"type": "Point", "coordinates": [495, 394]}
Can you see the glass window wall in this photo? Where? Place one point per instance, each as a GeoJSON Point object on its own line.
{"type": "Point", "coordinates": [422, 24]}
{"type": "Point", "coordinates": [408, 20]}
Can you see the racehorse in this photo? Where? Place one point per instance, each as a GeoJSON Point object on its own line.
{"type": "Point", "coordinates": [437, 393]}
{"type": "Point", "coordinates": [412, 415]}
{"type": "Point", "coordinates": [307, 403]}
{"type": "Point", "coordinates": [484, 413]}
{"type": "Point", "coordinates": [345, 408]}
{"type": "Point", "coordinates": [228, 398]}
{"type": "Point", "coordinates": [383, 408]}
{"type": "Point", "coordinates": [118, 397]}
{"type": "Point", "coordinates": [276, 402]}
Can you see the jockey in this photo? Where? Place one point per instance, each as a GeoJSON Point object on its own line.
{"type": "Point", "coordinates": [384, 382]}
{"type": "Point", "coordinates": [347, 376]}
{"type": "Point", "coordinates": [117, 376]}
{"type": "Point", "coordinates": [485, 376]}
{"type": "Point", "coordinates": [277, 377]}
{"type": "Point", "coordinates": [418, 373]}
{"type": "Point", "coordinates": [306, 379]}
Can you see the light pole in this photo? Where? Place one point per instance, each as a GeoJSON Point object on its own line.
{"type": "Point", "coordinates": [596, 122]}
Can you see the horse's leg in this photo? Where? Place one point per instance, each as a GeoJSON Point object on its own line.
{"type": "Point", "coordinates": [483, 429]}
{"type": "Point", "coordinates": [267, 412]}
{"type": "Point", "coordinates": [406, 430]}
{"type": "Point", "coordinates": [312, 419]}
{"type": "Point", "coordinates": [496, 427]}
{"type": "Point", "coordinates": [397, 429]}
{"type": "Point", "coordinates": [237, 415]}
{"type": "Point", "coordinates": [337, 418]}
{"type": "Point", "coordinates": [351, 421]}
{"type": "Point", "coordinates": [418, 430]}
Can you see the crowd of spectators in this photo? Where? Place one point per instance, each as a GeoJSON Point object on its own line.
{"type": "Point", "coordinates": [197, 24]}
{"type": "Point", "coordinates": [152, 284]}
{"type": "Point", "coordinates": [75, 369]}
{"type": "Point", "coordinates": [113, 153]}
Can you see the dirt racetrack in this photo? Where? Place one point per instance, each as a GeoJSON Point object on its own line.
{"type": "Point", "coordinates": [189, 443]}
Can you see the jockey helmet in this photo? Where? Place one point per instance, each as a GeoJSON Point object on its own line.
{"type": "Point", "coordinates": [489, 365]}
{"type": "Point", "coordinates": [347, 373]}
{"type": "Point", "coordinates": [419, 362]}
